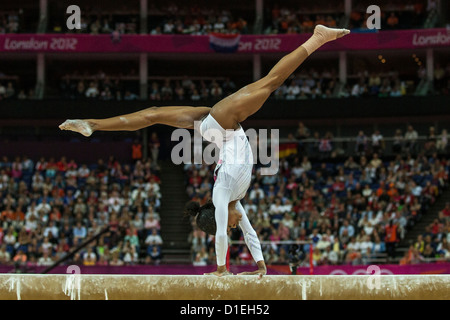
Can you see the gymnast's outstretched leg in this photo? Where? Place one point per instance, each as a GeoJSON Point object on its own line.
{"type": "Point", "coordinates": [179, 117]}
{"type": "Point", "coordinates": [237, 107]}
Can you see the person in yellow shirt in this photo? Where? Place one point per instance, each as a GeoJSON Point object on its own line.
{"type": "Point", "coordinates": [420, 243]}
{"type": "Point", "coordinates": [89, 258]}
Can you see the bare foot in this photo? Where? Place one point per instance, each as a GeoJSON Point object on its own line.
{"type": "Point", "coordinates": [80, 126]}
{"type": "Point", "coordinates": [329, 34]}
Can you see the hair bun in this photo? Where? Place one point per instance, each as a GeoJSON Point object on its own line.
{"type": "Point", "coordinates": [192, 208]}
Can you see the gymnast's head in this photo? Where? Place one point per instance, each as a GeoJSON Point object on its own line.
{"type": "Point", "coordinates": [205, 216]}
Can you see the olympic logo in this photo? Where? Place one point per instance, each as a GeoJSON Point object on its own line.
{"type": "Point", "coordinates": [360, 272]}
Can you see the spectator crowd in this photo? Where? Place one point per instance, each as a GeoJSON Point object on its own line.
{"type": "Point", "coordinates": [433, 244]}
{"type": "Point", "coordinates": [11, 89]}
{"type": "Point", "coordinates": [308, 83]}
{"type": "Point", "coordinates": [177, 17]}
{"type": "Point", "coordinates": [289, 20]}
{"type": "Point", "coordinates": [394, 15]}
{"type": "Point", "coordinates": [353, 209]}
{"type": "Point", "coordinates": [305, 84]}
{"type": "Point", "coordinates": [103, 87]}
{"type": "Point", "coordinates": [196, 20]}
{"type": "Point", "coordinates": [99, 86]}
{"type": "Point", "coordinates": [49, 207]}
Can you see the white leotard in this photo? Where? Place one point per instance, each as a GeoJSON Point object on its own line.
{"type": "Point", "coordinates": [232, 177]}
{"type": "Point", "coordinates": [234, 168]}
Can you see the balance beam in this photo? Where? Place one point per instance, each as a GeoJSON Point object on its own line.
{"type": "Point", "coordinates": [199, 287]}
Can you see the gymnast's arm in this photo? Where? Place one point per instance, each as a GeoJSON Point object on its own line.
{"type": "Point", "coordinates": [252, 241]}
{"type": "Point", "coordinates": [221, 199]}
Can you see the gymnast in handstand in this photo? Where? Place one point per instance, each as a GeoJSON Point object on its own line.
{"type": "Point", "coordinates": [233, 171]}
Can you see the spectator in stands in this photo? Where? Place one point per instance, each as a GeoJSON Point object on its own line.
{"type": "Point", "coordinates": [256, 193]}
{"type": "Point", "coordinates": [430, 143]}
{"type": "Point", "coordinates": [347, 229]}
{"type": "Point", "coordinates": [392, 21]}
{"type": "Point", "coordinates": [446, 211]}
{"type": "Point", "coordinates": [411, 137]}
{"type": "Point", "coordinates": [154, 147]}
{"type": "Point", "coordinates": [361, 143]}
{"type": "Point", "coordinates": [116, 261]}
{"type": "Point", "coordinates": [377, 142]}
{"type": "Point", "coordinates": [129, 96]}
{"type": "Point", "coordinates": [325, 146]}
{"type": "Point", "coordinates": [442, 141]}
{"type": "Point", "coordinates": [2, 91]}
{"type": "Point", "coordinates": [155, 256]}
{"type": "Point", "coordinates": [155, 92]}
{"type": "Point", "coordinates": [10, 92]}
{"type": "Point", "coordinates": [20, 259]}
{"type": "Point", "coordinates": [79, 233]}
{"type": "Point", "coordinates": [391, 231]}
{"type": "Point", "coordinates": [398, 140]}
{"type": "Point", "coordinates": [92, 91]}
{"type": "Point", "coordinates": [153, 239]}
{"type": "Point", "coordinates": [5, 256]}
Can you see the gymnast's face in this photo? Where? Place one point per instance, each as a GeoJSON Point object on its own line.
{"type": "Point", "coordinates": [234, 216]}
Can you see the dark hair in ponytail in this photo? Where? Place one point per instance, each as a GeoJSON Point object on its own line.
{"type": "Point", "coordinates": [204, 215]}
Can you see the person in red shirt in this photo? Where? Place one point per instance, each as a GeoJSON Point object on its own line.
{"type": "Point", "coordinates": [136, 150]}
{"type": "Point", "coordinates": [62, 164]}
{"type": "Point", "coordinates": [436, 227]}
{"type": "Point", "coordinates": [446, 210]}
{"type": "Point", "coordinates": [195, 180]}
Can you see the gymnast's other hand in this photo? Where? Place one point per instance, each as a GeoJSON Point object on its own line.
{"type": "Point", "coordinates": [262, 270]}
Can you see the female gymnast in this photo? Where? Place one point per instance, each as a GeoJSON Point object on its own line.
{"type": "Point", "coordinates": [232, 178]}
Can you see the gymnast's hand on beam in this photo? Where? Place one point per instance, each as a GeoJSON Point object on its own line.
{"type": "Point", "coordinates": [262, 270]}
{"type": "Point", "coordinates": [221, 271]}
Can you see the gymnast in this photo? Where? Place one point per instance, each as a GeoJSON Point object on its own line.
{"type": "Point", "coordinates": [233, 171]}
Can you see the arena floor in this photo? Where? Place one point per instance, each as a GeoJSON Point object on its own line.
{"type": "Point", "coordinates": [195, 287]}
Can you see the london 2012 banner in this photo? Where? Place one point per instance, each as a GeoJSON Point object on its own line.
{"type": "Point", "coordinates": [64, 43]}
